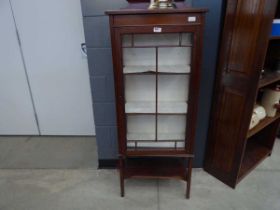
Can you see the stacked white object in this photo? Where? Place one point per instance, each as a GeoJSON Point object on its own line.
{"type": "Point", "coordinates": [270, 99]}
{"type": "Point", "coordinates": [259, 114]}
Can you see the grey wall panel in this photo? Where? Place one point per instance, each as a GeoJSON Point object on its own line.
{"type": "Point", "coordinates": [103, 88]}
{"type": "Point", "coordinates": [210, 52]}
{"type": "Point", "coordinates": [107, 144]}
{"type": "Point", "coordinates": [98, 7]}
{"type": "Point", "coordinates": [97, 31]}
{"type": "Point", "coordinates": [104, 114]}
{"type": "Point", "coordinates": [100, 61]}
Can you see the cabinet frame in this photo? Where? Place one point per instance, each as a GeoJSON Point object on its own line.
{"type": "Point", "coordinates": [168, 163]}
{"type": "Point", "coordinates": [119, 81]}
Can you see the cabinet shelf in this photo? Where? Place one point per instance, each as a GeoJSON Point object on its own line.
{"type": "Point", "coordinates": [265, 122]}
{"type": "Point", "coordinates": [162, 69]}
{"type": "Point", "coordinates": [269, 78]}
{"type": "Point", "coordinates": [255, 153]}
{"type": "Point", "coordinates": [150, 108]}
{"type": "Point", "coordinates": [159, 73]}
{"type": "Point", "coordinates": [158, 46]}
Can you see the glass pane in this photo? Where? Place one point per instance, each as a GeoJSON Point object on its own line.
{"type": "Point", "coordinates": [141, 127]}
{"type": "Point", "coordinates": [156, 71]}
{"type": "Point", "coordinates": [127, 40]}
{"type": "Point", "coordinates": [163, 39]}
{"type": "Point", "coordinates": [174, 59]}
{"type": "Point", "coordinates": [186, 39]}
{"type": "Point", "coordinates": [173, 93]}
{"type": "Point", "coordinates": [137, 60]}
{"type": "Point", "coordinates": [171, 128]}
{"type": "Point", "coordinates": [170, 145]}
{"type": "Point", "coordinates": [140, 94]}
{"type": "Point", "coordinates": [156, 39]}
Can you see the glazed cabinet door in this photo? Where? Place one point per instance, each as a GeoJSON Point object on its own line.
{"type": "Point", "coordinates": [155, 74]}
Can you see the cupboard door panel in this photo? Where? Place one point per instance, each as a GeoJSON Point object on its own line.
{"type": "Point", "coordinates": [51, 38]}
{"type": "Point", "coordinates": [156, 71]}
{"type": "Point", "coordinates": [229, 125]}
{"type": "Point", "coordinates": [245, 35]}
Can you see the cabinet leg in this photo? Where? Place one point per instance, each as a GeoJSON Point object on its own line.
{"type": "Point", "coordinates": [121, 169]}
{"type": "Point", "coordinates": [189, 178]}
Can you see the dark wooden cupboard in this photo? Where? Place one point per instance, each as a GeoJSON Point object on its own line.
{"type": "Point", "coordinates": [233, 150]}
{"type": "Point", "coordinates": [157, 59]}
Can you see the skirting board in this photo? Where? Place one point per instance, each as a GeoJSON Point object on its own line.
{"type": "Point", "coordinates": [107, 163]}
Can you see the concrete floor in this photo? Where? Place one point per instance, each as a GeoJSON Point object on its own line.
{"type": "Point", "coordinates": [24, 152]}
{"type": "Point", "coordinates": [91, 189]}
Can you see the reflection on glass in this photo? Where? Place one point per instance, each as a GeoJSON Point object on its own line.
{"type": "Point", "coordinates": [156, 69]}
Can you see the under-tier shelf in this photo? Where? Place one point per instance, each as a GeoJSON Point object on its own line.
{"type": "Point", "coordinates": [156, 167]}
{"type": "Point", "coordinates": [269, 78]}
{"type": "Point", "coordinates": [150, 107]}
{"type": "Point", "coordinates": [265, 122]}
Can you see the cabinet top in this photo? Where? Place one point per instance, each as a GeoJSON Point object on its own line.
{"type": "Point", "coordinates": [142, 8]}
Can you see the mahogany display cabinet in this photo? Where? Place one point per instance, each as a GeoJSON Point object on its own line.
{"type": "Point", "coordinates": [247, 49]}
{"type": "Point", "coordinates": [157, 58]}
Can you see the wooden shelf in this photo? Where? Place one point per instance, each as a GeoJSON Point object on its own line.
{"type": "Point", "coordinates": [168, 108]}
{"type": "Point", "coordinates": [275, 38]}
{"type": "Point", "coordinates": [269, 78]}
{"type": "Point", "coordinates": [155, 167]}
{"type": "Point", "coordinates": [255, 153]}
{"type": "Point", "coordinates": [158, 153]}
{"type": "Point", "coordinates": [265, 122]}
{"type": "Point", "coordinates": [162, 69]}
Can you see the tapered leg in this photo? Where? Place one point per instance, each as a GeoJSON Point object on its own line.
{"type": "Point", "coordinates": [189, 178]}
{"type": "Point", "coordinates": [121, 169]}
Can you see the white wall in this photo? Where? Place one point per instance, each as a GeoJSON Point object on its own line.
{"type": "Point", "coordinates": [51, 33]}
{"type": "Point", "coordinates": [16, 110]}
